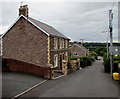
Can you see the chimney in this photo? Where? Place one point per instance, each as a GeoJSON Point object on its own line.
{"type": "Point", "coordinates": [23, 10]}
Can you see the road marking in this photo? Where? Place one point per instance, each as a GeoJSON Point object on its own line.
{"type": "Point", "coordinates": [58, 77]}
{"type": "Point", "coordinates": [29, 89]}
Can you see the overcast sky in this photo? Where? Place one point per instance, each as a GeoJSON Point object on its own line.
{"type": "Point", "coordinates": [76, 20]}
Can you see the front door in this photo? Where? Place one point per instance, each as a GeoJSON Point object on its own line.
{"type": "Point", "coordinates": [60, 61]}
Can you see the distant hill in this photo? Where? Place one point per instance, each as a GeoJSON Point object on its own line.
{"type": "Point", "coordinates": [87, 44]}
{"type": "Point", "coordinates": [100, 44]}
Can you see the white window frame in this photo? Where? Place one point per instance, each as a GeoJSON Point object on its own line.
{"type": "Point", "coordinates": [66, 55]}
{"type": "Point", "coordinates": [56, 60]}
{"type": "Point", "coordinates": [66, 42]}
{"type": "Point", "coordinates": [63, 43]}
{"type": "Point", "coordinates": [55, 43]}
{"type": "Point", "coordinates": [60, 43]}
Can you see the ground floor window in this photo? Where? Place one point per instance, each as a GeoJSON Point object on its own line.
{"type": "Point", "coordinates": [66, 55]}
{"type": "Point", "coordinates": [56, 60]}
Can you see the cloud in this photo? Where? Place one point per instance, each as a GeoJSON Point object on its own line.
{"type": "Point", "coordinates": [76, 20]}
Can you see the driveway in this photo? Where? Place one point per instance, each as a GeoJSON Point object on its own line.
{"type": "Point", "coordinates": [88, 82]}
{"type": "Point", "coordinates": [14, 83]}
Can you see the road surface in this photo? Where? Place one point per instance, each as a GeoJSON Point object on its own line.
{"type": "Point", "coordinates": [88, 82]}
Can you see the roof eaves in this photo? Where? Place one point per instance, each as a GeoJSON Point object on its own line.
{"type": "Point", "coordinates": [37, 26]}
{"type": "Point", "coordinates": [79, 47]}
{"type": "Point", "coordinates": [27, 20]}
{"type": "Point", "coordinates": [59, 36]}
{"type": "Point", "coordinates": [10, 26]}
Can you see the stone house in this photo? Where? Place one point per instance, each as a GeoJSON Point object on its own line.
{"type": "Point", "coordinates": [78, 50]}
{"type": "Point", "coordinates": [31, 41]}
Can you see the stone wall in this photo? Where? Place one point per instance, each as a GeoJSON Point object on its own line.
{"type": "Point", "coordinates": [25, 42]}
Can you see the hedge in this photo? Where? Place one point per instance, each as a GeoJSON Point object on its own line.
{"type": "Point", "coordinates": [84, 61]}
{"type": "Point", "coordinates": [116, 60]}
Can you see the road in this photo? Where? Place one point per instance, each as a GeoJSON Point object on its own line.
{"type": "Point", "coordinates": [14, 83]}
{"type": "Point", "coordinates": [88, 82]}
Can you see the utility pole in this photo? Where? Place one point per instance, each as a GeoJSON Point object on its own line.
{"type": "Point", "coordinates": [107, 44]}
{"type": "Point", "coordinates": [107, 41]}
{"type": "Point", "coordinates": [82, 41]}
{"type": "Point", "coordinates": [111, 39]}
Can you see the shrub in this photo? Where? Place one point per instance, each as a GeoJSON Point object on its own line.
{"type": "Point", "coordinates": [115, 63]}
{"type": "Point", "coordinates": [73, 58]}
{"type": "Point", "coordinates": [84, 61]}
{"type": "Point", "coordinates": [107, 65]}
{"type": "Point", "coordinates": [94, 54]}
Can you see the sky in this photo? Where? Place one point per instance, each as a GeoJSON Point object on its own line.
{"type": "Point", "coordinates": [76, 20]}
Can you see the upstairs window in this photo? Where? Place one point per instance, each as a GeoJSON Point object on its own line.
{"type": "Point", "coordinates": [63, 43]}
{"type": "Point", "coordinates": [55, 43]}
{"type": "Point", "coordinates": [66, 43]}
{"type": "Point", "coordinates": [60, 43]}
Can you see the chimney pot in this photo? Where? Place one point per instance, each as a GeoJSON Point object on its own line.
{"type": "Point", "coordinates": [23, 10]}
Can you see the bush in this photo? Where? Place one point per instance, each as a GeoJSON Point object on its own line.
{"type": "Point", "coordinates": [115, 63]}
{"type": "Point", "coordinates": [73, 58]}
{"type": "Point", "coordinates": [84, 61]}
{"type": "Point", "coordinates": [94, 54]}
{"type": "Point", "coordinates": [107, 65]}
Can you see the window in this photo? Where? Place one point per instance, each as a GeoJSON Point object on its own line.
{"type": "Point", "coordinates": [55, 43]}
{"type": "Point", "coordinates": [63, 43]}
{"type": "Point", "coordinates": [75, 54]}
{"type": "Point", "coordinates": [66, 43]}
{"type": "Point", "coordinates": [60, 43]}
{"type": "Point", "coordinates": [55, 60]}
{"type": "Point", "coordinates": [66, 55]}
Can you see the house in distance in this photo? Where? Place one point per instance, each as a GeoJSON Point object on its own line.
{"type": "Point", "coordinates": [78, 50]}
{"type": "Point", "coordinates": [31, 41]}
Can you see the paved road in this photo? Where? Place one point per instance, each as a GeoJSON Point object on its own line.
{"type": "Point", "coordinates": [88, 82]}
{"type": "Point", "coordinates": [14, 83]}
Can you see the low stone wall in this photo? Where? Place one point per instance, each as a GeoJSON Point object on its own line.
{"type": "Point", "coordinates": [71, 66]}
{"type": "Point", "coordinates": [74, 64]}
{"type": "Point", "coordinates": [20, 66]}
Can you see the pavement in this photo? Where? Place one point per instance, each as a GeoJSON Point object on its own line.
{"type": "Point", "coordinates": [88, 82]}
{"type": "Point", "coordinates": [14, 83]}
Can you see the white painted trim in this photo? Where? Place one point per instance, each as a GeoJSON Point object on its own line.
{"type": "Point", "coordinates": [29, 89]}
{"type": "Point", "coordinates": [10, 26]}
{"type": "Point", "coordinates": [28, 21]}
{"type": "Point", "coordinates": [35, 25]}
{"type": "Point", "coordinates": [59, 77]}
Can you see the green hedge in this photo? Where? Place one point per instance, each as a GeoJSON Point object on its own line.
{"type": "Point", "coordinates": [94, 54]}
{"type": "Point", "coordinates": [107, 65]}
{"type": "Point", "coordinates": [116, 60]}
{"type": "Point", "coordinates": [84, 61]}
{"type": "Point", "coordinates": [74, 58]}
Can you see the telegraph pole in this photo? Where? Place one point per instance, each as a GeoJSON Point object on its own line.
{"type": "Point", "coordinates": [107, 41]}
{"type": "Point", "coordinates": [82, 41]}
{"type": "Point", "coordinates": [111, 38]}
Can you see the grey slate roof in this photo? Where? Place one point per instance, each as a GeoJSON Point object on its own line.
{"type": "Point", "coordinates": [47, 28]}
{"type": "Point", "coordinates": [81, 46]}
